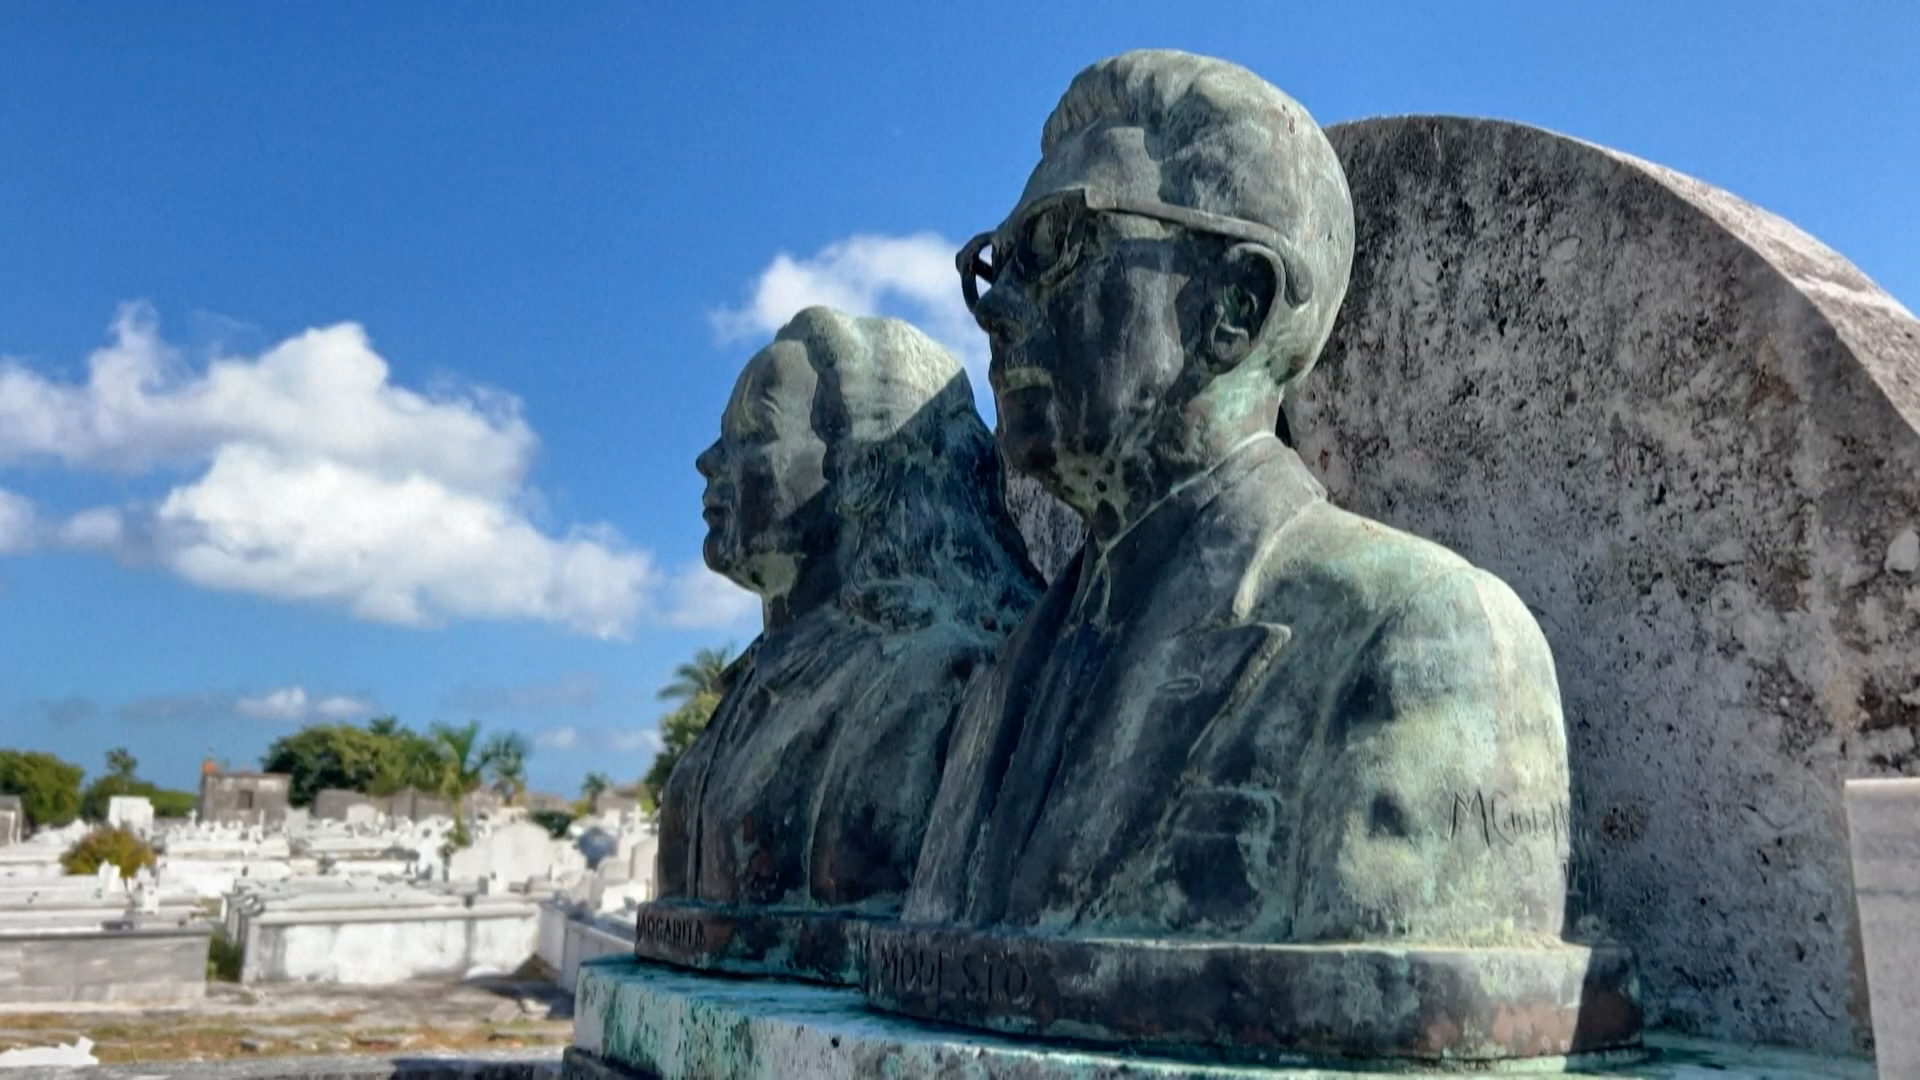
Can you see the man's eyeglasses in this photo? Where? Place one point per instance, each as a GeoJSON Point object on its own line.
{"type": "Point", "coordinates": [1043, 244]}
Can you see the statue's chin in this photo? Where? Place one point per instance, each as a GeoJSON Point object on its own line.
{"type": "Point", "coordinates": [713, 551]}
{"type": "Point", "coordinates": [1026, 434]}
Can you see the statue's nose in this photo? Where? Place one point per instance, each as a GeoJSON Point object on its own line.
{"type": "Point", "coordinates": [1002, 313]}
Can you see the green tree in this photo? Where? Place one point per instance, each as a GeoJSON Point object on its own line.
{"type": "Point", "coordinates": [696, 686]}
{"type": "Point", "coordinates": [49, 788]}
{"type": "Point", "coordinates": [409, 759]}
{"type": "Point", "coordinates": [99, 795]}
{"type": "Point", "coordinates": [506, 756]}
{"type": "Point", "coordinates": [678, 729]}
{"type": "Point", "coordinates": [172, 804]}
{"type": "Point", "coordinates": [382, 758]}
{"type": "Point", "coordinates": [329, 756]}
{"type": "Point", "coordinates": [120, 779]}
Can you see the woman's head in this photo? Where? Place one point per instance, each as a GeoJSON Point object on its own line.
{"type": "Point", "coordinates": [851, 454]}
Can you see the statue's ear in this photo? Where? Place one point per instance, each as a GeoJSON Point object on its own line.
{"type": "Point", "coordinates": [860, 482]}
{"type": "Point", "coordinates": [1259, 287]}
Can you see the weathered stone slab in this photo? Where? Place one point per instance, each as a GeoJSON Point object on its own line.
{"type": "Point", "coordinates": [818, 946]}
{"type": "Point", "coordinates": [156, 965]}
{"type": "Point", "coordinates": [637, 1021]}
{"type": "Point", "coordinates": [13, 820]}
{"type": "Point", "coordinates": [514, 1065]}
{"type": "Point", "coordinates": [1688, 436]}
{"type": "Point", "coordinates": [1263, 1003]}
{"type": "Point", "coordinates": [1883, 824]}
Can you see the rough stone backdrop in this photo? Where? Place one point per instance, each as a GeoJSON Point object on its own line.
{"type": "Point", "coordinates": [1688, 435]}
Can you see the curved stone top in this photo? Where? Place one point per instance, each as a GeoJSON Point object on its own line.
{"type": "Point", "coordinates": [1882, 334]}
{"type": "Point", "coordinates": [1688, 435]}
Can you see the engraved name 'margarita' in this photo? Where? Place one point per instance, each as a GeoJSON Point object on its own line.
{"type": "Point", "coordinates": [671, 930]}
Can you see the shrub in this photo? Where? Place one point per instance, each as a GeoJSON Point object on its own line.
{"type": "Point", "coordinates": [224, 957]}
{"type": "Point", "coordinates": [554, 821]}
{"type": "Point", "coordinates": [49, 788]}
{"type": "Point", "coordinates": [102, 846]}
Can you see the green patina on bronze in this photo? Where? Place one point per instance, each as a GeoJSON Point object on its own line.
{"type": "Point", "coordinates": [854, 489]}
{"type": "Point", "coordinates": [1242, 716]}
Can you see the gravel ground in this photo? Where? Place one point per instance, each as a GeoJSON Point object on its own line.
{"type": "Point", "coordinates": [277, 1020]}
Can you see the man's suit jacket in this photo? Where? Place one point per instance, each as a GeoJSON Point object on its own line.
{"type": "Point", "coordinates": [1259, 718]}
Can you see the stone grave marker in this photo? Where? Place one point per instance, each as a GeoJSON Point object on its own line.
{"type": "Point", "coordinates": [1883, 825]}
{"type": "Point", "coordinates": [133, 813]}
{"type": "Point", "coordinates": [1688, 435]}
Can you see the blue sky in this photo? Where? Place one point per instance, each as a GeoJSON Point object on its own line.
{"type": "Point", "coordinates": [354, 357]}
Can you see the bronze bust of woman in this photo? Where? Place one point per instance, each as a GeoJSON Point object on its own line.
{"type": "Point", "coordinates": [855, 490]}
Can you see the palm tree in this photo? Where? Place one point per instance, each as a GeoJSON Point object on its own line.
{"type": "Point", "coordinates": [505, 756]}
{"type": "Point", "coordinates": [462, 770]}
{"type": "Point", "coordinates": [593, 785]}
{"type": "Point", "coordinates": [696, 686]}
{"type": "Point", "coordinates": [699, 677]}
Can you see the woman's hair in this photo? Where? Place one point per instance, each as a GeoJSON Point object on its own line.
{"type": "Point", "coordinates": [913, 478]}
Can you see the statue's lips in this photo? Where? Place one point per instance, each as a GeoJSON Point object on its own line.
{"type": "Point", "coordinates": [712, 513]}
{"type": "Point", "coordinates": [1022, 378]}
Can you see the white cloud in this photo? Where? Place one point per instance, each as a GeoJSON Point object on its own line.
{"type": "Point", "coordinates": [19, 525]}
{"type": "Point", "coordinates": [404, 550]}
{"type": "Point", "coordinates": [601, 741]}
{"type": "Point", "coordinates": [575, 691]}
{"type": "Point", "coordinates": [291, 705]}
{"type": "Point", "coordinates": [323, 482]}
{"type": "Point", "coordinates": [322, 394]}
{"type": "Point", "coordinates": [560, 738]}
{"type": "Point", "coordinates": [344, 708]}
{"type": "Point", "coordinates": [911, 277]}
{"type": "Point", "coordinates": [100, 527]}
{"type": "Point", "coordinates": [634, 742]}
{"type": "Point", "coordinates": [701, 599]}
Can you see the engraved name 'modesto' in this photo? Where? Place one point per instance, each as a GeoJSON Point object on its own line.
{"type": "Point", "coordinates": [978, 974]}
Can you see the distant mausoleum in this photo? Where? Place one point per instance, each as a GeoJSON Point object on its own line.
{"type": "Point", "coordinates": [244, 798]}
{"type": "Point", "coordinates": [615, 802]}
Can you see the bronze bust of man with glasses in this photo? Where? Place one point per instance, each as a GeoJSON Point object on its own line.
{"type": "Point", "coordinates": [1256, 775]}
